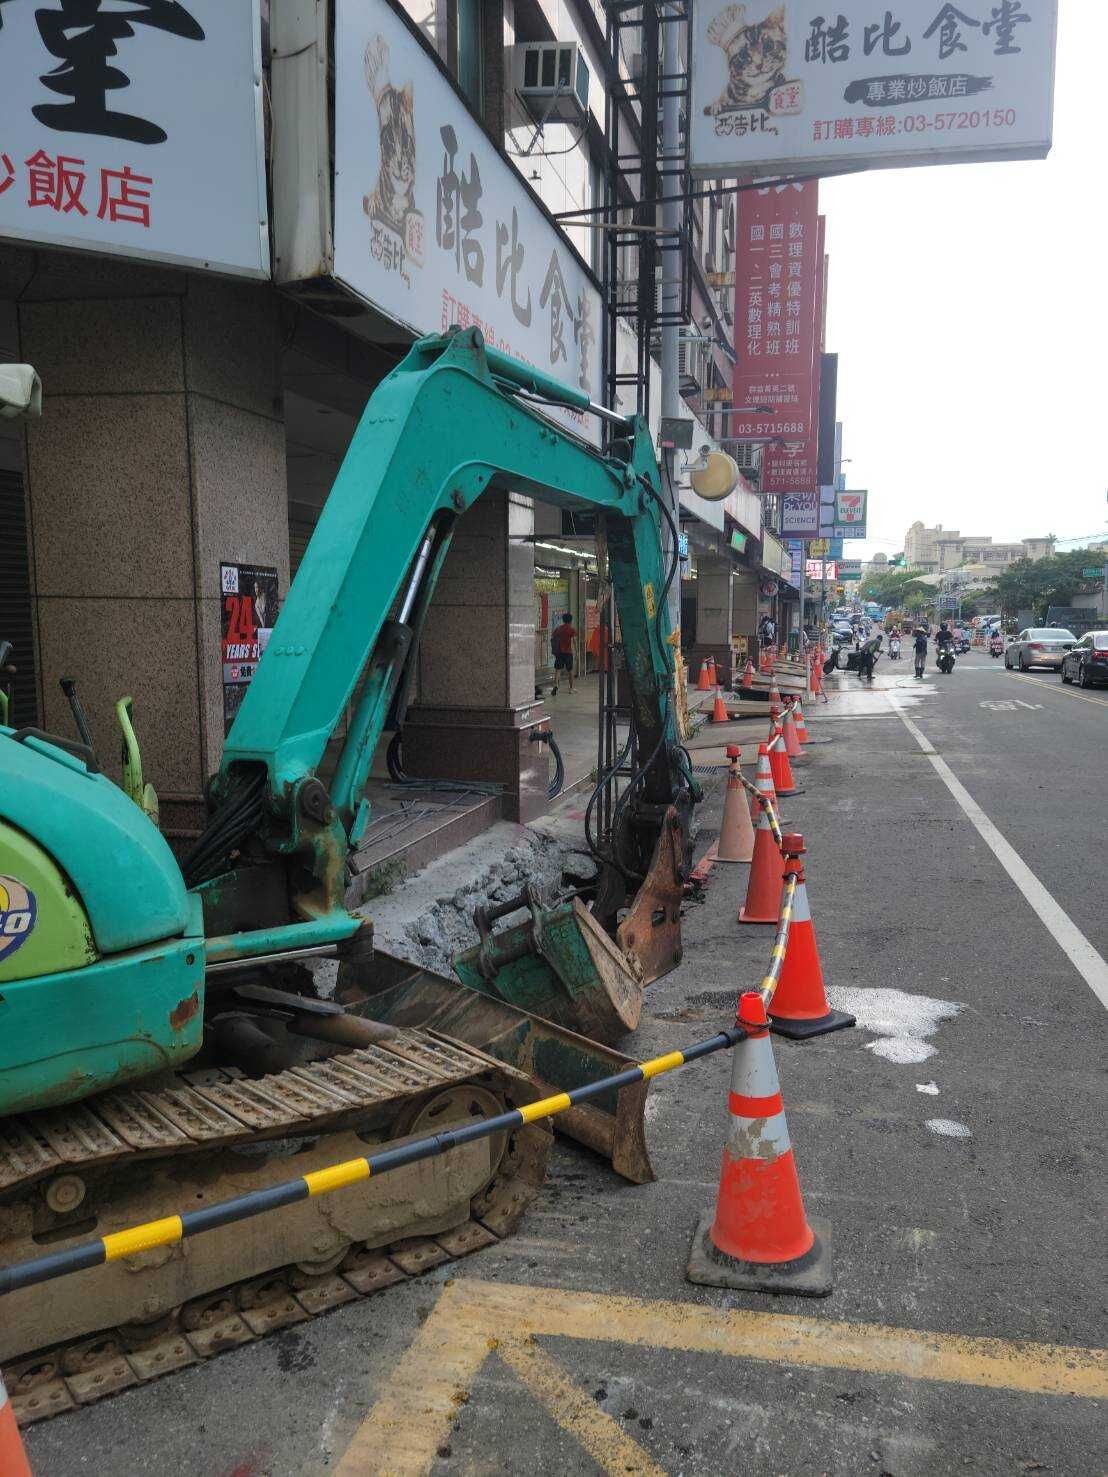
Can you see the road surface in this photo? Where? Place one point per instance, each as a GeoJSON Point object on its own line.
{"type": "Point", "coordinates": [953, 1141]}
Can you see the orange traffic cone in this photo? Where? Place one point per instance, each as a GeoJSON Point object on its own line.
{"type": "Point", "coordinates": [713, 672]}
{"type": "Point", "coordinates": [719, 709]}
{"type": "Point", "coordinates": [763, 783]}
{"type": "Point", "coordinates": [792, 743]}
{"type": "Point", "coordinates": [774, 694]}
{"type": "Point", "coordinates": [802, 728]}
{"type": "Point", "coordinates": [703, 682]}
{"type": "Point", "coordinates": [766, 881]}
{"type": "Point", "coordinates": [758, 1237]}
{"type": "Point", "coordinates": [781, 769]}
{"type": "Point", "coordinates": [799, 1007]}
{"type": "Point", "coordinates": [748, 676]}
{"type": "Point", "coordinates": [13, 1459]}
{"type": "Point", "coordinates": [736, 835]}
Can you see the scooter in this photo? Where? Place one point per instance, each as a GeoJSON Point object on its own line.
{"type": "Point", "coordinates": [996, 647]}
{"type": "Point", "coordinates": [894, 648]}
{"type": "Point", "coordinates": [944, 660]}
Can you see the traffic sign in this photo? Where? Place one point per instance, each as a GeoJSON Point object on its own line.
{"type": "Point", "coordinates": [1093, 573]}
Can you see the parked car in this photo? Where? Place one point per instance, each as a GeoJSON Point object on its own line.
{"type": "Point", "coordinates": [1087, 662]}
{"type": "Point", "coordinates": [1038, 646]}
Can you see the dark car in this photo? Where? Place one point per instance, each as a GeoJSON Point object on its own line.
{"type": "Point", "coordinates": [1087, 662]}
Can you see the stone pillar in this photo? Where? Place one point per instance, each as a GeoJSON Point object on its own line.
{"type": "Point", "coordinates": [476, 707]}
{"type": "Point", "coordinates": [744, 618]}
{"type": "Point", "coordinates": [160, 452]}
{"type": "Point", "coordinates": [713, 616]}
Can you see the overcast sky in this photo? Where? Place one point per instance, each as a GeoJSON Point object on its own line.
{"type": "Point", "coordinates": [969, 308]}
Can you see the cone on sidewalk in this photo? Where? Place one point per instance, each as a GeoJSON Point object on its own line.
{"type": "Point", "coordinates": [719, 709]}
{"type": "Point", "coordinates": [792, 743]}
{"type": "Point", "coordinates": [781, 769]}
{"type": "Point", "coordinates": [748, 676]}
{"type": "Point", "coordinates": [766, 881]}
{"type": "Point", "coordinates": [758, 1237]}
{"type": "Point", "coordinates": [801, 726]}
{"type": "Point", "coordinates": [800, 1007]}
{"type": "Point", "coordinates": [774, 694]}
{"type": "Point", "coordinates": [703, 682]}
{"type": "Point", "coordinates": [736, 834]}
{"type": "Point", "coordinates": [13, 1459]}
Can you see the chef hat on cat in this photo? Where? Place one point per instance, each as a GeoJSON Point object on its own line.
{"type": "Point", "coordinates": [726, 27]}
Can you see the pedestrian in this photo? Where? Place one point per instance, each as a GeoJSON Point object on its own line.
{"type": "Point", "coordinates": [919, 647]}
{"type": "Point", "coordinates": [767, 631]}
{"type": "Point", "coordinates": [563, 645]}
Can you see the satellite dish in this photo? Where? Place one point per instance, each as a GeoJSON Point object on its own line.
{"type": "Point", "coordinates": [716, 478]}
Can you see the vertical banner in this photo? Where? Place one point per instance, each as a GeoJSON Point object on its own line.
{"type": "Point", "coordinates": [249, 613]}
{"type": "Point", "coordinates": [777, 275]}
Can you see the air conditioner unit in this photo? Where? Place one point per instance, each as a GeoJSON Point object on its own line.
{"type": "Point", "coordinates": [552, 78]}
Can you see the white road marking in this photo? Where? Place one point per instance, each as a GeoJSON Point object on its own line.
{"type": "Point", "coordinates": [949, 1128]}
{"type": "Point", "coordinates": [1089, 964]}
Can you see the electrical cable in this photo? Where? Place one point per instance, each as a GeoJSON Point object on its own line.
{"type": "Point", "coordinates": [555, 787]}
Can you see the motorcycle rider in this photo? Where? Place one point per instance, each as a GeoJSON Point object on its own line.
{"type": "Point", "coordinates": [919, 646]}
{"type": "Point", "coordinates": [944, 639]}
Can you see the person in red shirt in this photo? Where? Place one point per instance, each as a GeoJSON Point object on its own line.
{"type": "Point", "coordinates": [562, 645]}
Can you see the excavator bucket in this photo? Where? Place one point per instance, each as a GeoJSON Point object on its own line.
{"type": "Point", "coordinates": [556, 1058]}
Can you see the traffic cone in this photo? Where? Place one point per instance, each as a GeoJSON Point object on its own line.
{"type": "Point", "coordinates": [13, 1459]}
{"type": "Point", "coordinates": [719, 709]}
{"type": "Point", "coordinates": [781, 769]}
{"type": "Point", "coordinates": [736, 835]}
{"type": "Point", "coordinates": [774, 694]}
{"type": "Point", "coordinates": [703, 683]}
{"type": "Point", "coordinates": [800, 1007]}
{"type": "Point", "coordinates": [763, 783]}
{"type": "Point", "coordinates": [802, 728]}
{"type": "Point", "coordinates": [766, 881]}
{"type": "Point", "coordinates": [759, 1238]}
{"type": "Point", "coordinates": [713, 675]}
{"type": "Point", "coordinates": [748, 676]}
{"type": "Point", "coordinates": [792, 743]}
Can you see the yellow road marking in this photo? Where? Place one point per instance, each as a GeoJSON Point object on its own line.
{"type": "Point", "coordinates": [1063, 691]}
{"type": "Point", "coordinates": [578, 1414]}
{"type": "Point", "coordinates": [431, 1382]}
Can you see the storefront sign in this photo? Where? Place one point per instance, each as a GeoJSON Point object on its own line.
{"type": "Point", "coordinates": [794, 465]}
{"type": "Point", "coordinates": [796, 556]}
{"type": "Point", "coordinates": [850, 508]}
{"type": "Point", "coordinates": [818, 569]}
{"type": "Point", "coordinates": [800, 514]}
{"type": "Point", "coordinates": [775, 329]}
{"type": "Point", "coordinates": [433, 226]}
{"type": "Point", "coordinates": [135, 131]}
{"type": "Point", "coordinates": [738, 542]}
{"type": "Point", "coordinates": [777, 84]}
{"type": "Point", "coordinates": [249, 613]}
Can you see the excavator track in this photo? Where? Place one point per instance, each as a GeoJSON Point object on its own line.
{"type": "Point", "coordinates": [125, 1157]}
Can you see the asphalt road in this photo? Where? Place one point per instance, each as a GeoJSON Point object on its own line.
{"type": "Point", "coordinates": [953, 1141]}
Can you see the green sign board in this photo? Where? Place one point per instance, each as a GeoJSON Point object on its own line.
{"type": "Point", "coordinates": [1093, 573]}
{"type": "Point", "coordinates": [738, 542]}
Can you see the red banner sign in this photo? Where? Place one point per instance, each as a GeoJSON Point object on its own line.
{"type": "Point", "coordinates": [778, 274]}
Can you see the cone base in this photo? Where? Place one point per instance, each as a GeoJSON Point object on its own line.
{"type": "Point", "coordinates": [796, 790]}
{"type": "Point", "coordinates": [808, 1276]}
{"type": "Point", "coordinates": [821, 1025]}
{"type": "Point", "coordinates": [770, 921]}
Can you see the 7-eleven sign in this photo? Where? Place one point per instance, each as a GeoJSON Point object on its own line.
{"type": "Point", "coordinates": [850, 508]}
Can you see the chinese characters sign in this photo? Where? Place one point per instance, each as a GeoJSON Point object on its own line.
{"type": "Point", "coordinates": [135, 130]}
{"type": "Point", "coordinates": [800, 514]}
{"type": "Point", "coordinates": [776, 385]}
{"type": "Point", "coordinates": [432, 226]}
{"type": "Point", "coordinates": [249, 596]}
{"type": "Point", "coordinates": [782, 83]}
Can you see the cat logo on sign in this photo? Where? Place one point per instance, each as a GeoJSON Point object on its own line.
{"type": "Point", "coordinates": [18, 910]}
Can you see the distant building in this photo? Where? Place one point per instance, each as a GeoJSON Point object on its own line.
{"type": "Point", "coordinates": [939, 551]}
{"type": "Point", "coordinates": [921, 547]}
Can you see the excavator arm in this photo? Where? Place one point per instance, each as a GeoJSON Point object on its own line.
{"type": "Point", "coordinates": [450, 422]}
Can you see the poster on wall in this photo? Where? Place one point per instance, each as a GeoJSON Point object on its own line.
{"type": "Point", "coordinates": [779, 85]}
{"type": "Point", "coordinates": [250, 601]}
{"type": "Point", "coordinates": [135, 131]}
{"type": "Point", "coordinates": [434, 227]}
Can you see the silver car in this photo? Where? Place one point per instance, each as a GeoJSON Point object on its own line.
{"type": "Point", "coordinates": [1038, 646]}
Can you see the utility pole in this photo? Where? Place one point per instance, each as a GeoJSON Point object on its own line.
{"type": "Point", "coordinates": [669, 67]}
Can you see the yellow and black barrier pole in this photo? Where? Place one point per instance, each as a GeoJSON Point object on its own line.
{"type": "Point", "coordinates": [171, 1229]}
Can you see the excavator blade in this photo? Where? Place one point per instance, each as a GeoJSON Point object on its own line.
{"type": "Point", "coordinates": [557, 1058]}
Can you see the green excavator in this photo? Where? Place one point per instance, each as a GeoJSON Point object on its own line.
{"type": "Point", "coordinates": [162, 1040]}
